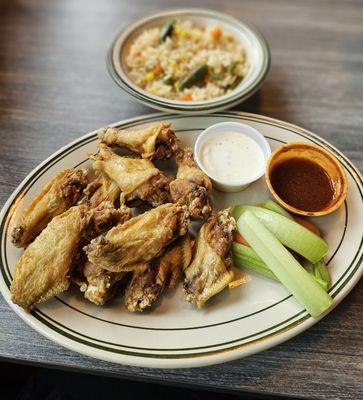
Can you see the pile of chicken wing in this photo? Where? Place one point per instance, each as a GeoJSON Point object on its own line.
{"type": "Point", "coordinates": [82, 230]}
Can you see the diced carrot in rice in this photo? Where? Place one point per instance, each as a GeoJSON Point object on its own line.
{"type": "Point", "coordinates": [186, 97]}
{"type": "Point", "coordinates": [158, 70]}
{"type": "Point", "coordinates": [216, 33]}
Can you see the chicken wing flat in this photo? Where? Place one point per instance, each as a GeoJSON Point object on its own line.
{"type": "Point", "coordinates": [139, 239]}
{"type": "Point", "coordinates": [44, 268]}
{"type": "Point", "coordinates": [157, 142]}
{"type": "Point", "coordinates": [100, 285]}
{"type": "Point", "coordinates": [192, 187]}
{"type": "Point", "coordinates": [165, 271]}
{"type": "Point", "coordinates": [102, 188]}
{"type": "Point", "coordinates": [210, 270]}
{"type": "Point", "coordinates": [62, 192]}
{"type": "Point", "coordinates": [139, 180]}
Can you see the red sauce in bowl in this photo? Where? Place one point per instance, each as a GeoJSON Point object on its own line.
{"type": "Point", "coordinates": [303, 184]}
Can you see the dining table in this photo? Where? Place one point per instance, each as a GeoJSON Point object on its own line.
{"type": "Point", "coordinates": [54, 87]}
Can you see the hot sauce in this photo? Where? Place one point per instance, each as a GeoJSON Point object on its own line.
{"type": "Point", "coordinates": [302, 184]}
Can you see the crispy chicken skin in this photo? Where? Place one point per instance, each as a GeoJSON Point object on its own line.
{"type": "Point", "coordinates": [210, 270]}
{"type": "Point", "coordinates": [102, 218]}
{"type": "Point", "coordinates": [165, 271]}
{"type": "Point", "coordinates": [44, 268]}
{"type": "Point", "coordinates": [157, 142]}
{"type": "Point", "coordinates": [139, 239]}
{"type": "Point", "coordinates": [139, 180]}
{"type": "Point", "coordinates": [192, 187]}
{"type": "Point", "coordinates": [99, 285]}
{"type": "Point", "coordinates": [62, 192]}
{"type": "Point", "coordinates": [102, 188]}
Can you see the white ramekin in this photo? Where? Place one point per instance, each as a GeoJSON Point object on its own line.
{"type": "Point", "coordinates": [247, 130]}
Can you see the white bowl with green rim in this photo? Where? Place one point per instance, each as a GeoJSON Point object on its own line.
{"type": "Point", "coordinates": [257, 54]}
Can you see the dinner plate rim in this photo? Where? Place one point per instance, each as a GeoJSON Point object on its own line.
{"type": "Point", "coordinates": [217, 356]}
{"type": "Point", "coordinates": [201, 107]}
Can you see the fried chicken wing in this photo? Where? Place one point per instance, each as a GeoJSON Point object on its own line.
{"type": "Point", "coordinates": [139, 180]}
{"type": "Point", "coordinates": [210, 270]}
{"type": "Point", "coordinates": [139, 239]}
{"type": "Point", "coordinates": [100, 285]}
{"type": "Point", "coordinates": [192, 187]}
{"type": "Point", "coordinates": [165, 271]}
{"type": "Point", "coordinates": [102, 188]}
{"type": "Point", "coordinates": [62, 192]}
{"type": "Point", "coordinates": [44, 268]}
{"type": "Point", "coordinates": [102, 218]}
{"type": "Point", "coordinates": [156, 142]}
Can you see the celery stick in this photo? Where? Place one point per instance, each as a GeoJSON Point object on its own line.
{"type": "Point", "coordinates": [321, 283]}
{"type": "Point", "coordinates": [321, 271]}
{"type": "Point", "coordinates": [316, 275]}
{"type": "Point", "coordinates": [290, 273]}
{"type": "Point", "coordinates": [308, 266]}
{"type": "Point", "coordinates": [246, 257]}
{"type": "Point", "coordinates": [272, 206]}
{"type": "Point", "coordinates": [288, 232]}
{"type": "Point", "coordinates": [238, 210]}
{"type": "Point", "coordinates": [316, 271]}
{"type": "Point", "coordinates": [241, 262]}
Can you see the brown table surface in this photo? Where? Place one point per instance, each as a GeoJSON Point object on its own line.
{"type": "Point", "coordinates": [54, 87]}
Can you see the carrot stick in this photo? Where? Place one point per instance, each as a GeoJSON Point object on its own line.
{"type": "Point", "coordinates": [308, 225]}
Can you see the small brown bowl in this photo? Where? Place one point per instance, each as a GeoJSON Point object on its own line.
{"type": "Point", "coordinates": [320, 156]}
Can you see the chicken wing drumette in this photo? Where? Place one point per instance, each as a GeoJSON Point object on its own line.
{"type": "Point", "coordinates": [147, 284]}
{"type": "Point", "coordinates": [139, 180]}
{"type": "Point", "coordinates": [98, 284]}
{"type": "Point", "coordinates": [210, 270]}
{"type": "Point", "coordinates": [192, 187]}
{"type": "Point", "coordinates": [157, 142]}
{"type": "Point", "coordinates": [62, 192]}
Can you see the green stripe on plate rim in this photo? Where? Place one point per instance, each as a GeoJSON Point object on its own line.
{"type": "Point", "coordinates": [252, 117]}
{"type": "Point", "coordinates": [159, 356]}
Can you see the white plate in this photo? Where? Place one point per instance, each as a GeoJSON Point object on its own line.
{"type": "Point", "coordinates": [257, 54]}
{"type": "Point", "coordinates": [236, 323]}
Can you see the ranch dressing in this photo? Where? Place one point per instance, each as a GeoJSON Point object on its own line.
{"type": "Point", "coordinates": [231, 157]}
